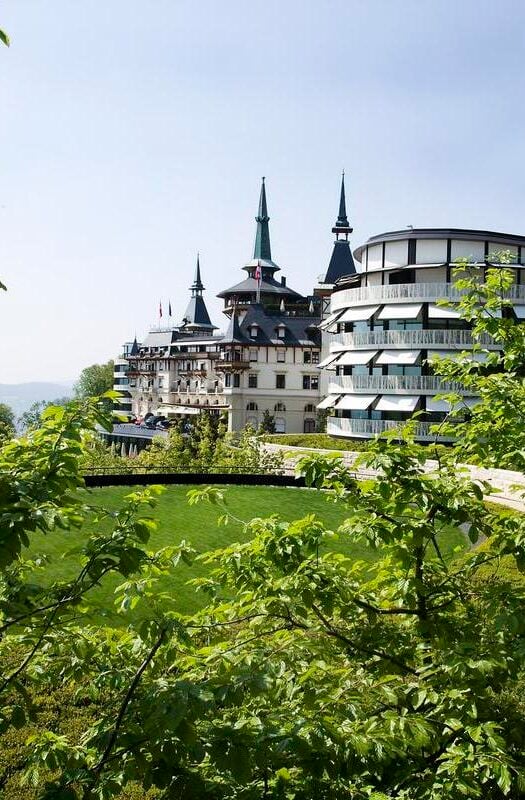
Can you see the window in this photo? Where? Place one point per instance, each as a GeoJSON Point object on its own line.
{"type": "Point", "coordinates": [251, 407]}
{"type": "Point", "coordinates": [310, 381]}
{"type": "Point", "coordinates": [280, 425]}
{"type": "Point", "coordinates": [307, 357]}
{"type": "Point", "coordinates": [280, 381]}
{"type": "Point", "coordinates": [281, 330]}
{"type": "Point", "coordinates": [254, 355]}
{"type": "Point", "coordinates": [227, 380]}
{"type": "Point", "coordinates": [281, 356]}
{"type": "Point", "coordinates": [279, 407]}
{"type": "Point", "coordinates": [315, 357]}
{"type": "Point", "coordinates": [253, 331]}
{"type": "Point", "coordinates": [309, 409]}
{"type": "Point", "coordinates": [252, 381]}
{"type": "Point", "coordinates": [236, 380]}
{"type": "Point", "coordinates": [309, 426]}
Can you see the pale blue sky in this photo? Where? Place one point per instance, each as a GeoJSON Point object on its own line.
{"type": "Point", "coordinates": [133, 134]}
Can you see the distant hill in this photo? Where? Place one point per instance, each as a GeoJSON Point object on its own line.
{"type": "Point", "coordinates": [21, 395]}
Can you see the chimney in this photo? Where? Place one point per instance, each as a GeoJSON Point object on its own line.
{"type": "Point", "coordinates": [283, 281]}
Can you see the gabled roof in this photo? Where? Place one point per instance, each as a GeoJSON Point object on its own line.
{"type": "Point", "coordinates": [298, 330]}
{"type": "Point", "coordinates": [234, 335]}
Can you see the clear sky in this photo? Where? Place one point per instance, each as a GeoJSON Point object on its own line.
{"type": "Point", "coordinates": [133, 134]}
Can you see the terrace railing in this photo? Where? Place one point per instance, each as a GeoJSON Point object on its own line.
{"type": "Point", "coordinates": [451, 339]}
{"type": "Point", "coordinates": [403, 292]}
{"type": "Point", "coordinates": [391, 383]}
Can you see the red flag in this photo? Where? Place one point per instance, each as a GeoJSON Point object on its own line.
{"type": "Point", "coordinates": [258, 274]}
{"type": "Point", "coordinates": [160, 308]}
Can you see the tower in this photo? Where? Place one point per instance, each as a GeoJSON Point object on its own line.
{"type": "Point", "coordinates": [342, 262]}
{"type": "Point", "coordinates": [196, 317]}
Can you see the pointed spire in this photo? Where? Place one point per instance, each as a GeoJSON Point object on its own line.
{"type": "Point", "coordinates": [342, 262]}
{"type": "Point", "coordinates": [282, 307]}
{"type": "Point", "coordinates": [134, 347]}
{"type": "Point", "coordinates": [262, 247]}
{"type": "Point", "coordinates": [342, 219]}
{"type": "Point", "coordinates": [197, 286]}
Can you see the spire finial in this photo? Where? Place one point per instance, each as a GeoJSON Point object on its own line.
{"type": "Point", "coordinates": [197, 286]}
{"type": "Point", "coordinates": [262, 247]}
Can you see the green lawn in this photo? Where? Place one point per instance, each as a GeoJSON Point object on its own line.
{"type": "Point", "coordinates": [198, 525]}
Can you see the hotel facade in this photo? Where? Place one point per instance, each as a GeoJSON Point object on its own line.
{"type": "Point", "coordinates": [387, 321]}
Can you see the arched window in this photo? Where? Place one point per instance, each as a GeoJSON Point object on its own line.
{"type": "Point", "coordinates": [280, 425]}
{"type": "Point", "coordinates": [309, 426]}
{"type": "Point", "coordinates": [251, 407]}
{"type": "Point", "coordinates": [309, 408]}
{"type": "Point", "coordinates": [279, 407]}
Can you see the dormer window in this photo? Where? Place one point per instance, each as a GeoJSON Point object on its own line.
{"type": "Point", "coordinates": [253, 331]}
{"type": "Point", "coordinates": [281, 330]}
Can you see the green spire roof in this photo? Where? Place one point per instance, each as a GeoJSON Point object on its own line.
{"type": "Point", "coordinates": [262, 247]}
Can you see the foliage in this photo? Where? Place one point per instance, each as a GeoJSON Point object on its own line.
{"type": "Point", "coordinates": [493, 432]}
{"type": "Point", "coordinates": [321, 420]}
{"type": "Point", "coordinates": [5, 39]}
{"type": "Point", "coordinates": [95, 380]}
{"type": "Point", "coordinates": [209, 448]}
{"type": "Point", "coordinates": [308, 674]}
{"type": "Point", "coordinates": [7, 422]}
{"type": "Point", "coordinates": [32, 417]}
{"type": "Point", "coordinates": [267, 424]}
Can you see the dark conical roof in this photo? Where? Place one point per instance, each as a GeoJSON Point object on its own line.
{"type": "Point", "coordinates": [134, 348]}
{"type": "Point", "coordinates": [196, 314]}
{"type": "Point", "coordinates": [262, 247]}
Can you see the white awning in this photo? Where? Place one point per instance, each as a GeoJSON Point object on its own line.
{"type": "Point", "coordinates": [358, 314]}
{"type": "Point", "coordinates": [519, 311]}
{"type": "Point", "coordinates": [330, 320]}
{"type": "Point", "coordinates": [351, 357]}
{"type": "Point", "coordinates": [357, 402]}
{"type": "Point", "coordinates": [329, 401]}
{"type": "Point", "coordinates": [398, 357]}
{"type": "Point", "coordinates": [455, 355]}
{"type": "Point", "coordinates": [443, 405]}
{"type": "Point", "coordinates": [401, 311]}
{"type": "Point", "coordinates": [393, 402]}
{"type": "Point", "coordinates": [442, 312]}
{"type": "Point", "coordinates": [327, 360]}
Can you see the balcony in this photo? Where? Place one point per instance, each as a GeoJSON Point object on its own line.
{"type": "Point", "coordinates": [367, 428]}
{"type": "Point", "coordinates": [388, 384]}
{"type": "Point", "coordinates": [403, 292]}
{"type": "Point", "coordinates": [231, 366]}
{"type": "Point", "coordinates": [450, 340]}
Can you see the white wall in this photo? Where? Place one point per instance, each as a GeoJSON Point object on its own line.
{"type": "Point", "coordinates": [474, 251]}
{"type": "Point", "coordinates": [396, 253]}
{"type": "Point", "coordinates": [431, 251]}
{"type": "Point", "coordinates": [375, 256]}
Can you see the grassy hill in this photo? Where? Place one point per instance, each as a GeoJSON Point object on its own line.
{"type": "Point", "coordinates": [198, 525]}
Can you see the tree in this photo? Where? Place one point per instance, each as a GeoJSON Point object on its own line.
{"type": "Point", "coordinates": [32, 417]}
{"type": "Point", "coordinates": [267, 423]}
{"type": "Point", "coordinates": [307, 674]}
{"type": "Point", "coordinates": [5, 39]}
{"type": "Point", "coordinates": [95, 380]}
{"type": "Point", "coordinates": [7, 421]}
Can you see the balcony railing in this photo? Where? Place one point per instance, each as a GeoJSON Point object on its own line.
{"type": "Point", "coordinates": [401, 292]}
{"type": "Point", "coordinates": [452, 339]}
{"type": "Point", "coordinates": [391, 383]}
{"type": "Point", "coordinates": [366, 428]}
